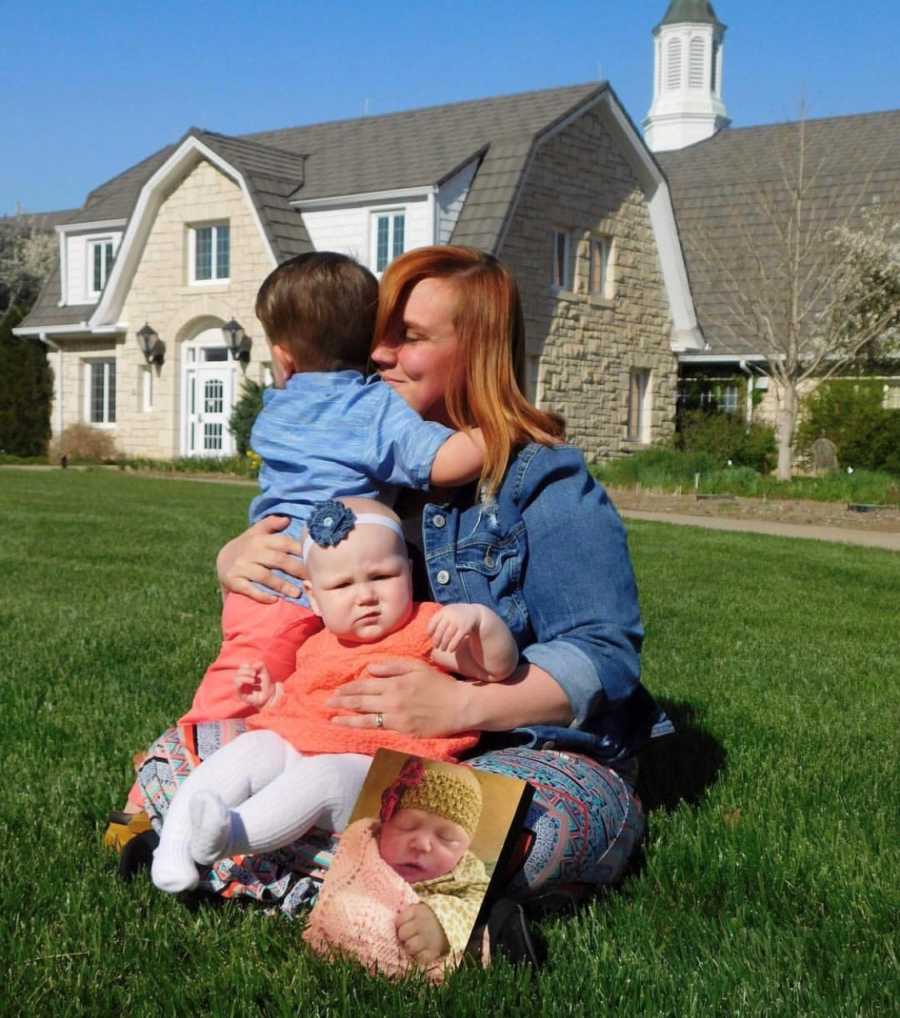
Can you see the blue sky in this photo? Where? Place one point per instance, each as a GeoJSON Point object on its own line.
{"type": "Point", "coordinates": [90, 89]}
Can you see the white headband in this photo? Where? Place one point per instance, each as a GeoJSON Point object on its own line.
{"type": "Point", "coordinates": [374, 518]}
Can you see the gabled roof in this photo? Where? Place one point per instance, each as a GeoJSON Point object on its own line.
{"type": "Point", "coordinates": [411, 149]}
{"type": "Point", "coordinates": [716, 187]}
{"type": "Point", "coordinates": [415, 148]}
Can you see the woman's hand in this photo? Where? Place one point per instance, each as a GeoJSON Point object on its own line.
{"type": "Point", "coordinates": [409, 696]}
{"type": "Point", "coordinates": [249, 558]}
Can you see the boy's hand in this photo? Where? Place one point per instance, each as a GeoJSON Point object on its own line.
{"type": "Point", "coordinates": [421, 935]}
{"type": "Point", "coordinates": [254, 684]}
{"type": "Point", "coordinates": [452, 624]}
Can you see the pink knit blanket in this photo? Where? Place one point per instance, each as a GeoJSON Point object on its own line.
{"type": "Point", "coordinates": [356, 912]}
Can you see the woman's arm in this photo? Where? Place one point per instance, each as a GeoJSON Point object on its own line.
{"type": "Point", "coordinates": [411, 696]}
{"type": "Point", "coordinates": [250, 557]}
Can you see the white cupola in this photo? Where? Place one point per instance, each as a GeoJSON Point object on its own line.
{"type": "Point", "coordinates": [687, 84]}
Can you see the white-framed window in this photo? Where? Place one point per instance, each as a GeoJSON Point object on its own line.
{"type": "Point", "coordinates": [728, 398]}
{"type": "Point", "coordinates": [891, 399]}
{"type": "Point", "coordinates": [101, 253]}
{"type": "Point", "coordinates": [561, 269]}
{"type": "Point", "coordinates": [100, 391]}
{"type": "Point", "coordinates": [388, 237]}
{"type": "Point", "coordinates": [209, 253]}
{"type": "Point", "coordinates": [146, 387]}
{"type": "Point", "coordinates": [600, 267]}
{"type": "Point", "coordinates": [639, 405]}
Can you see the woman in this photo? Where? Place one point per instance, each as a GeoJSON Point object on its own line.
{"type": "Point", "coordinates": [540, 543]}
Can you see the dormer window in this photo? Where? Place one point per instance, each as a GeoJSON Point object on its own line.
{"type": "Point", "coordinates": [210, 253]}
{"type": "Point", "coordinates": [101, 253]}
{"type": "Point", "coordinates": [389, 237]}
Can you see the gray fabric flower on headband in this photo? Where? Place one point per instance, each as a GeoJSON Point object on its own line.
{"type": "Point", "coordinates": [330, 522]}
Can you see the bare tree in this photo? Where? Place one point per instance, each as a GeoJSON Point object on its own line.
{"type": "Point", "coordinates": [808, 270]}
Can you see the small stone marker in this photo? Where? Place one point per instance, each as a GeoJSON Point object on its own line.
{"type": "Point", "coordinates": [824, 455]}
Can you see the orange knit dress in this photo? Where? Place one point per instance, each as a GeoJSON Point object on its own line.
{"type": "Point", "coordinates": [324, 664]}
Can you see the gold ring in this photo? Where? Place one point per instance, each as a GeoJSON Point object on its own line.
{"type": "Point", "coordinates": [379, 720]}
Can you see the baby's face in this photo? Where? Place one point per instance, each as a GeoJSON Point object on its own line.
{"type": "Point", "coordinates": [362, 587]}
{"type": "Point", "coordinates": [420, 846]}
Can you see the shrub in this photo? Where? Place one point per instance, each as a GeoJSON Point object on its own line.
{"type": "Point", "coordinates": [725, 437]}
{"type": "Point", "coordinates": [82, 442]}
{"type": "Point", "coordinates": [244, 413]}
{"type": "Point", "coordinates": [850, 413]}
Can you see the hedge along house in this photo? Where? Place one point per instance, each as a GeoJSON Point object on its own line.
{"type": "Point", "coordinates": [558, 184]}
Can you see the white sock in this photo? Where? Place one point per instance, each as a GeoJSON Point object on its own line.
{"type": "Point", "coordinates": [173, 869]}
{"type": "Point", "coordinates": [210, 828]}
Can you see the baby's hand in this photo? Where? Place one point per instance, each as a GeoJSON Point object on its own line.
{"type": "Point", "coordinates": [421, 935]}
{"type": "Point", "coordinates": [452, 624]}
{"type": "Point", "coordinates": [254, 684]}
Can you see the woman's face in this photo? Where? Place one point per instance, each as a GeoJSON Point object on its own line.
{"type": "Point", "coordinates": [418, 361]}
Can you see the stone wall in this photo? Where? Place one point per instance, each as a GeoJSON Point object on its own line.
{"type": "Point", "coordinates": [582, 347]}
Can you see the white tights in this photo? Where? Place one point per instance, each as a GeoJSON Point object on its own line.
{"type": "Point", "coordinates": [255, 794]}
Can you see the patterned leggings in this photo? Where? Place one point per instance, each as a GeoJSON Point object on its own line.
{"type": "Point", "coordinates": [582, 826]}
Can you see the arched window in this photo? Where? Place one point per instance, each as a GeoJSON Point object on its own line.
{"type": "Point", "coordinates": [673, 64]}
{"type": "Point", "coordinates": [696, 59]}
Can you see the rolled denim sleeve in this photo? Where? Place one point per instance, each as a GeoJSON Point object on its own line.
{"type": "Point", "coordinates": [578, 584]}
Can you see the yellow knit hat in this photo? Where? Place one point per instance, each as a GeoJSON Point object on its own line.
{"type": "Point", "coordinates": [449, 790]}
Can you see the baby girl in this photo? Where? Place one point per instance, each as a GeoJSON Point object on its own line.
{"type": "Point", "coordinates": [296, 769]}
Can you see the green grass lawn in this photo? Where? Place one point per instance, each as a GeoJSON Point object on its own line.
{"type": "Point", "coordinates": [770, 885]}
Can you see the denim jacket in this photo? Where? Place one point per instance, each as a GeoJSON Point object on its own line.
{"type": "Point", "coordinates": [550, 556]}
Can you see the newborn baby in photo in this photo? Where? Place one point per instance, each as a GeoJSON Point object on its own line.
{"type": "Point", "coordinates": [404, 890]}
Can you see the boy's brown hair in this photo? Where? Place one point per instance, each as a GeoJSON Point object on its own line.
{"type": "Point", "coordinates": [321, 306]}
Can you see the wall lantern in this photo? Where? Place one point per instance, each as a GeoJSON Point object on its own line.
{"type": "Point", "coordinates": [152, 347]}
{"type": "Point", "coordinates": [237, 340]}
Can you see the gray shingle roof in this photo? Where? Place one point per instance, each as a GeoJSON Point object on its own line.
{"type": "Point", "coordinates": [46, 310]}
{"type": "Point", "coordinates": [716, 190]}
{"type": "Point", "coordinates": [415, 148]}
{"type": "Point", "coordinates": [271, 175]}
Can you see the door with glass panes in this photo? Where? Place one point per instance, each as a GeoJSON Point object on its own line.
{"type": "Point", "coordinates": [208, 395]}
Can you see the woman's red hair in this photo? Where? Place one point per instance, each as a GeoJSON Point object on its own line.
{"type": "Point", "coordinates": [487, 392]}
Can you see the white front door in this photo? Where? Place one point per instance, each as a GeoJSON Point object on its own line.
{"type": "Point", "coordinates": [209, 411]}
{"type": "Point", "coordinates": [208, 397]}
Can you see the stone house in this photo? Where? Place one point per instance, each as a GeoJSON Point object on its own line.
{"type": "Point", "coordinates": [149, 319]}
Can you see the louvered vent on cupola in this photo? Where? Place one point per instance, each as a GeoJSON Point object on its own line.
{"type": "Point", "coordinates": [696, 61]}
{"type": "Point", "coordinates": [673, 64]}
